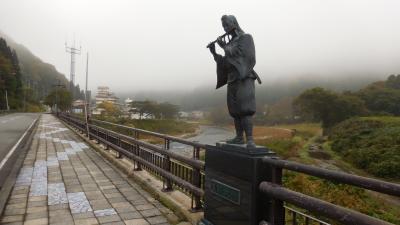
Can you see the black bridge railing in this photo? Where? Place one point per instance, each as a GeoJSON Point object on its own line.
{"type": "Point", "coordinates": [281, 195]}
{"type": "Point", "coordinates": [187, 174]}
{"type": "Point", "coordinates": [176, 170]}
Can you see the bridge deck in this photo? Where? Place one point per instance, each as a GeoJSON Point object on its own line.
{"type": "Point", "coordinates": [64, 181]}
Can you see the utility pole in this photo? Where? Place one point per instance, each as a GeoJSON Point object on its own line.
{"type": "Point", "coordinates": [86, 96]}
{"type": "Point", "coordinates": [8, 107]}
{"type": "Point", "coordinates": [24, 99]}
{"type": "Point", "coordinates": [57, 86]}
{"type": "Point", "coordinates": [73, 51]}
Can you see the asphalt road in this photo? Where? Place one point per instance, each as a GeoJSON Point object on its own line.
{"type": "Point", "coordinates": [12, 127]}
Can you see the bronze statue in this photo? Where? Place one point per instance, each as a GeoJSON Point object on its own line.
{"type": "Point", "coordinates": [236, 70]}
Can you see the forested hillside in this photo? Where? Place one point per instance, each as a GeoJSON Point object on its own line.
{"type": "Point", "coordinates": [37, 75]}
{"type": "Point", "coordinates": [330, 108]}
{"type": "Point", "coordinates": [10, 77]}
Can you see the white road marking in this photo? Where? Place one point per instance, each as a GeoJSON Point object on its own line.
{"type": "Point", "coordinates": [9, 154]}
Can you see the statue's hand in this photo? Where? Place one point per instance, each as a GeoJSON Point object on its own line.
{"type": "Point", "coordinates": [211, 46]}
{"type": "Point", "coordinates": [221, 42]}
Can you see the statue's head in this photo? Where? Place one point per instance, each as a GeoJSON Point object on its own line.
{"type": "Point", "coordinates": [230, 24]}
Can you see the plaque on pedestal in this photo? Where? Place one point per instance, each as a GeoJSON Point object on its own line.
{"type": "Point", "coordinates": [232, 175]}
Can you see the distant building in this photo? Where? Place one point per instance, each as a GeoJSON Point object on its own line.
{"type": "Point", "coordinates": [183, 115]}
{"type": "Point", "coordinates": [193, 115]}
{"type": "Point", "coordinates": [105, 95]}
{"type": "Point", "coordinates": [136, 116]}
{"type": "Point", "coordinates": [98, 111]}
{"type": "Point", "coordinates": [128, 102]}
{"type": "Point", "coordinates": [196, 115]}
{"type": "Point", "coordinates": [127, 107]}
{"type": "Point", "coordinates": [78, 106]}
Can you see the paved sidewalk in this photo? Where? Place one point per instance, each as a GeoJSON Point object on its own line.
{"type": "Point", "coordinates": [64, 181]}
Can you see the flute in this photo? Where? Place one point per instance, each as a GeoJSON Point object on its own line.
{"type": "Point", "coordinates": [213, 42]}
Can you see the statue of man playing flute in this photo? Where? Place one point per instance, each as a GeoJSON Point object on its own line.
{"type": "Point", "coordinates": [235, 69]}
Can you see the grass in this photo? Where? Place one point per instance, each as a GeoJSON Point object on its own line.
{"type": "Point", "coordinates": [168, 127]}
{"type": "Point", "coordinates": [288, 141]}
{"type": "Point", "coordinates": [260, 132]}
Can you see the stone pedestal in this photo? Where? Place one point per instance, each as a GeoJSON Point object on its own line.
{"type": "Point", "coordinates": [232, 176]}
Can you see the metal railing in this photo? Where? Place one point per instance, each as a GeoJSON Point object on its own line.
{"type": "Point", "coordinates": [298, 218]}
{"type": "Point", "coordinates": [281, 195]}
{"type": "Point", "coordinates": [176, 170]}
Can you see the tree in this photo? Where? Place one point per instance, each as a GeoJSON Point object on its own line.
{"type": "Point", "coordinates": [157, 110]}
{"type": "Point", "coordinates": [109, 108]}
{"type": "Point", "coordinates": [382, 97]}
{"type": "Point", "coordinates": [167, 110]}
{"type": "Point", "coordinates": [144, 108]}
{"type": "Point", "coordinates": [10, 76]}
{"type": "Point", "coordinates": [328, 107]}
{"type": "Point", "coordinates": [219, 116]}
{"type": "Point", "coordinates": [393, 81]}
{"type": "Point", "coordinates": [61, 97]}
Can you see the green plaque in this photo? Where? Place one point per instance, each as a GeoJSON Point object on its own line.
{"type": "Point", "coordinates": [225, 191]}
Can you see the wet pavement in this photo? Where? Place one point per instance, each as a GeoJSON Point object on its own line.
{"type": "Point", "coordinates": [64, 181]}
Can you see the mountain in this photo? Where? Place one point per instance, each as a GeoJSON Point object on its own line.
{"type": "Point", "coordinates": [36, 74]}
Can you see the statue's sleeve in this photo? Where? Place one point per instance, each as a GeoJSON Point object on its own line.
{"type": "Point", "coordinates": [218, 58]}
{"type": "Point", "coordinates": [241, 54]}
{"type": "Point", "coordinates": [243, 47]}
{"type": "Point", "coordinates": [222, 77]}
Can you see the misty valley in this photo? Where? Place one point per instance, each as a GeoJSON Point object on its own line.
{"type": "Point", "coordinates": [150, 132]}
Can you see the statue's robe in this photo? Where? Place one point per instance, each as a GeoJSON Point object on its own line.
{"type": "Point", "coordinates": [236, 70]}
{"type": "Point", "coordinates": [239, 53]}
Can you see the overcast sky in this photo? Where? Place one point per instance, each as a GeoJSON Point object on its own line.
{"type": "Point", "coordinates": [160, 45]}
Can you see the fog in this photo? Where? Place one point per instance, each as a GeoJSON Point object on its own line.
{"type": "Point", "coordinates": [161, 45]}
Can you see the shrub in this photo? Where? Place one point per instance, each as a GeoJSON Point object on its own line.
{"type": "Point", "coordinates": [372, 144]}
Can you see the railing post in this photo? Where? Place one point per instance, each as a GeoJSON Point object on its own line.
{"type": "Point", "coordinates": [118, 154]}
{"type": "Point", "coordinates": [137, 151]}
{"type": "Point", "coordinates": [196, 180]}
{"type": "Point", "coordinates": [88, 127]}
{"type": "Point", "coordinates": [106, 147]}
{"type": "Point", "coordinates": [167, 166]}
{"type": "Point", "coordinates": [97, 135]}
{"type": "Point", "coordinates": [294, 218]}
{"type": "Point", "coordinates": [278, 211]}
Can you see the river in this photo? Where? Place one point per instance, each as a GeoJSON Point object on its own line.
{"type": "Point", "coordinates": [207, 135]}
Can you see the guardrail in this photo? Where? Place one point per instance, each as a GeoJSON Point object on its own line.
{"type": "Point", "coordinates": [176, 170]}
{"type": "Point", "coordinates": [281, 195]}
